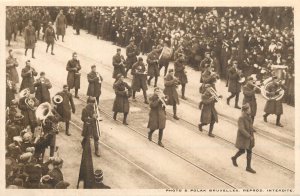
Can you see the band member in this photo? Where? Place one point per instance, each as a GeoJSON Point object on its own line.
{"type": "Point", "coordinates": [180, 73]}
{"type": "Point", "coordinates": [206, 62]}
{"type": "Point", "coordinates": [61, 25]}
{"type": "Point", "coordinates": [11, 90]}
{"type": "Point", "coordinates": [50, 37]}
{"type": "Point", "coordinates": [28, 73]}
{"type": "Point", "coordinates": [89, 118]}
{"type": "Point", "coordinates": [98, 181]}
{"type": "Point", "coordinates": [123, 92]}
{"type": "Point", "coordinates": [139, 79]}
{"type": "Point", "coordinates": [30, 38]}
{"type": "Point", "coordinates": [131, 53]}
{"type": "Point", "coordinates": [95, 80]}
{"type": "Point", "coordinates": [209, 114]}
{"type": "Point", "coordinates": [14, 127]}
{"type": "Point", "coordinates": [245, 137]}
{"type": "Point", "coordinates": [234, 87]}
{"type": "Point", "coordinates": [45, 20]}
{"type": "Point", "coordinates": [42, 86]}
{"type": "Point", "coordinates": [274, 106]}
{"type": "Point", "coordinates": [64, 108]}
{"type": "Point", "coordinates": [153, 70]}
{"type": "Point", "coordinates": [164, 62]}
{"type": "Point", "coordinates": [77, 21]}
{"type": "Point", "coordinates": [73, 78]}
{"type": "Point", "coordinates": [170, 91]}
{"type": "Point", "coordinates": [249, 91]}
{"type": "Point", "coordinates": [157, 115]}
{"type": "Point", "coordinates": [118, 63]}
{"type": "Point", "coordinates": [11, 64]}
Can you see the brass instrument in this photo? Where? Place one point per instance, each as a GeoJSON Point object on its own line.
{"type": "Point", "coordinates": [242, 78]}
{"type": "Point", "coordinates": [98, 119]}
{"type": "Point", "coordinates": [30, 103]}
{"type": "Point", "coordinates": [43, 111]}
{"type": "Point", "coordinates": [24, 93]}
{"type": "Point", "coordinates": [57, 99]}
{"type": "Point", "coordinates": [98, 76]}
{"type": "Point", "coordinates": [163, 99]}
{"type": "Point", "coordinates": [266, 94]}
{"type": "Point", "coordinates": [214, 93]}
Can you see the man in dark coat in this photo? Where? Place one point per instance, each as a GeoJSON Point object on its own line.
{"type": "Point", "coordinates": [131, 53]}
{"type": "Point", "coordinates": [180, 73]}
{"type": "Point", "coordinates": [11, 64]}
{"type": "Point", "coordinates": [123, 92]}
{"type": "Point", "coordinates": [64, 108]}
{"type": "Point", "coordinates": [50, 37]}
{"type": "Point", "coordinates": [73, 78]}
{"type": "Point", "coordinates": [45, 20]}
{"type": "Point", "coordinates": [77, 21]}
{"type": "Point", "coordinates": [61, 25]}
{"type": "Point", "coordinates": [56, 173]}
{"type": "Point", "coordinates": [245, 137]}
{"type": "Point", "coordinates": [30, 38]}
{"type": "Point", "coordinates": [139, 79]}
{"type": "Point", "coordinates": [42, 86]}
{"type": "Point", "coordinates": [170, 91]}
{"type": "Point", "coordinates": [209, 114]}
{"type": "Point", "coordinates": [153, 69]}
{"type": "Point", "coordinates": [274, 106]}
{"type": "Point", "coordinates": [157, 115]}
{"type": "Point", "coordinates": [95, 80]}
{"type": "Point", "coordinates": [28, 73]}
{"type": "Point", "coordinates": [11, 90]}
{"type": "Point", "coordinates": [234, 87]}
{"type": "Point", "coordinates": [89, 118]}
{"type": "Point", "coordinates": [118, 63]}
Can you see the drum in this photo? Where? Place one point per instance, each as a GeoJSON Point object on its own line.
{"type": "Point", "coordinates": [166, 53]}
{"type": "Point", "coordinates": [278, 70]}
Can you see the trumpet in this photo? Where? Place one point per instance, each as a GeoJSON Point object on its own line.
{"type": "Point", "coordinates": [214, 94]}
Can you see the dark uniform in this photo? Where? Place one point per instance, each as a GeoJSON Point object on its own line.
{"type": "Point", "coordinates": [28, 74]}
{"type": "Point", "coordinates": [139, 79]}
{"type": "Point", "coordinates": [131, 53]}
{"type": "Point", "coordinates": [180, 73]}
{"type": "Point", "coordinates": [28, 112]}
{"type": "Point", "coordinates": [170, 91]}
{"type": "Point", "coordinates": [119, 68]}
{"type": "Point", "coordinates": [11, 64]}
{"type": "Point", "coordinates": [94, 88]}
{"type": "Point", "coordinates": [30, 39]}
{"type": "Point", "coordinates": [42, 90]}
{"type": "Point", "coordinates": [153, 69]}
{"type": "Point", "coordinates": [11, 90]}
{"type": "Point", "coordinates": [234, 87]}
{"type": "Point", "coordinates": [50, 37]}
{"type": "Point", "coordinates": [249, 92]}
{"type": "Point", "coordinates": [73, 78]}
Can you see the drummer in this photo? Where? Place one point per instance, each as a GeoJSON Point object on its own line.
{"type": "Point", "coordinates": [165, 57]}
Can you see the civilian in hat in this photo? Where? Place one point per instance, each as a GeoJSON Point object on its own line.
{"type": "Point", "coordinates": [95, 81]}
{"type": "Point", "coordinates": [50, 37]}
{"type": "Point", "coordinates": [121, 104]}
{"type": "Point", "coordinates": [131, 53]}
{"type": "Point", "coordinates": [139, 80]}
{"type": "Point", "coordinates": [14, 127]}
{"type": "Point", "coordinates": [245, 137]}
{"type": "Point", "coordinates": [234, 86]}
{"type": "Point", "coordinates": [30, 38]}
{"type": "Point", "coordinates": [61, 25]}
{"type": "Point", "coordinates": [28, 73]}
{"type": "Point", "coordinates": [42, 86]}
{"type": "Point", "coordinates": [98, 181]}
{"type": "Point", "coordinates": [118, 63]}
{"type": "Point", "coordinates": [73, 78]}
{"type": "Point", "coordinates": [11, 67]}
{"type": "Point", "coordinates": [56, 173]}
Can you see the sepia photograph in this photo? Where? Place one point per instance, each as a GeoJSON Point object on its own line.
{"type": "Point", "coordinates": [189, 99]}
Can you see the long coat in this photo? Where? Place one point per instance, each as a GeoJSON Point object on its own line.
{"type": "Point", "coordinates": [121, 103]}
{"type": "Point", "coordinates": [272, 106]}
{"type": "Point", "coordinates": [8, 29]}
{"type": "Point", "coordinates": [245, 130]}
{"type": "Point", "coordinates": [170, 90]}
{"type": "Point", "coordinates": [131, 52]}
{"type": "Point", "coordinates": [61, 23]}
{"type": "Point", "coordinates": [139, 80]}
{"type": "Point", "coordinates": [157, 114]}
{"type": "Point", "coordinates": [249, 97]}
{"type": "Point", "coordinates": [180, 72]}
{"type": "Point", "coordinates": [27, 112]}
{"type": "Point", "coordinates": [233, 84]}
{"type": "Point", "coordinates": [208, 112]}
{"type": "Point", "coordinates": [30, 37]}
{"type": "Point", "coordinates": [94, 88]}
{"type": "Point", "coordinates": [42, 90]}
{"type": "Point", "coordinates": [118, 66]}
{"type": "Point", "coordinates": [89, 122]}
{"type": "Point", "coordinates": [10, 92]}
{"type": "Point", "coordinates": [11, 64]}
{"type": "Point", "coordinates": [64, 108]}
{"type": "Point", "coordinates": [73, 78]}
{"type": "Point", "coordinates": [28, 79]}
{"type": "Point", "coordinates": [152, 60]}
{"type": "Point", "coordinates": [50, 35]}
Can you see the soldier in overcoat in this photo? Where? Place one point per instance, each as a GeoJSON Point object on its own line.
{"type": "Point", "coordinates": [42, 86]}
{"type": "Point", "coordinates": [61, 25]}
{"type": "Point", "coordinates": [234, 87]}
{"type": "Point", "coordinates": [11, 90]}
{"type": "Point", "coordinates": [180, 73]}
{"type": "Point", "coordinates": [123, 92]}
{"type": "Point", "coordinates": [30, 38]}
{"type": "Point", "coordinates": [28, 73]}
{"type": "Point", "coordinates": [73, 78]}
{"type": "Point", "coordinates": [245, 137]}
{"type": "Point", "coordinates": [153, 69]}
{"type": "Point", "coordinates": [157, 116]}
{"type": "Point", "coordinates": [50, 37]}
{"type": "Point", "coordinates": [95, 81]}
{"type": "Point", "coordinates": [118, 63]}
{"type": "Point", "coordinates": [131, 53]}
{"type": "Point", "coordinates": [139, 79]}
{"type": "Point", "coordinates": [11, 64]}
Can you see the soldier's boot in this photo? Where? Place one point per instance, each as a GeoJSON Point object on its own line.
{"type": "Point", "coordinates": [76, 93]}
{"type": "Point", "coordinates": [183, 93]}
{"type": "Point", "coordinates": [150, 135]}
{"type": "Point", "coordinates": [133, 95]}
{"type": "Point", "coordinates": [26, 52]}
{"type": "Point", "coordinates": [211, 127]}
{"type": "Point", "coordinates": [248, 168]}
{"type": "Point", "coordinates": [155, 81]}
{"type": "Point", "coordinates": [174, 112]}
{"type": "Point", "coordinates": [125, 119]}
{"type": "Point", "coordinates": [52, 149]}
{"type": "Point", "coordinates": [234, 158]}
{"type": "Point", "coordinates": [52, 48]}
{"type": "Point", "coordinates": [228, 101]}
{"type": "Point", "coordinates": [265, 117]}
{"type": "Point", "coordinates": [278, 121]}
{"type": "Point", "coordinates": [33, 53]}
{"type": "Point", "coordinates": [200, 127]}
{"type": "Point", "coordinates": [96, 149]}
{"type": "Point", "coordinates": [57, 37]}
{"type": "Point", "coordinates": [67, 128]}
{"type": "Point", "coordinates": [160, 135]}
{"type": "Point", "coordinates": [237, 101]}
{"type": "Point", "coordinates": [115, 115]}
{"type": "Point", "coordinates": [145, 97]}
{"type": "Point", "coordinates": [149, 80]}
{"type": "Point", "coordinates": [47, 48]}
{"type": "Point", "coordinates": [63, 38]}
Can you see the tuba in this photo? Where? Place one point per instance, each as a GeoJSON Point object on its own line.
{"type": "Point", "coordinates": [57, 99]}
{"type": "Point", "coordinates": [43, 111]}
{"type": "Point", "coordinates": [24, 93]}
{"type": "Point", "coordinates": [266, 94]}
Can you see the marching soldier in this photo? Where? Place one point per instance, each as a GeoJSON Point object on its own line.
{"type": "Point", "coordinates": [204, 64]}
{"type": "Point", "coordinates": [121, 103]}
{"type": "Point", "coordinates": [131, 53]}
{"type": "Point", "coordinates": [30, 38]}
{"type": "Point", "coordinates": [28, 73]}
{"type": "Point", "coordinates": [61, 25]}
{"type": "Point", "coordinates": [209, 114]}
{"type": "Point", "coordinates": [42, 86]}
{"type": "Point", "coordinates": [95, 80]}
{"type": "Point", "coordinates": [11, 64]}
{"type": "Point", "coordinates": [274, 106]}
{"type": "Point", "coordinates": [64, 108]}
{"type": "Point", "coordinates": [180, 73]}
{"type": "Point", "coordinates": [118, 63]}
{"type": "Point", "coordinates": [170, 91]}
{"type": "Point", "coordinates": [234, 87]}
{"type": "Point", "coordinates": [45, 20]}
{"type": "Point", "coordinates": [139, 79]}
{"type": "Point", "coordinates": [157, 115]}
{"type": "Point", "coordinates": [89, 118]}
{"type": "Point", "coordinates": [73, 78]}
{"type": "Point", "coordinates": [245, 138]}
{"type": "Point", "coordinates": [50, 37]}
{"type": "Point", "coordinates": [153, 69]}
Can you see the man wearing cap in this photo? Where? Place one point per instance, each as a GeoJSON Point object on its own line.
{"type": "Point", "coordinates": [56, 173]}
{"type": "Point", "coordinates": [42, 86]}
{"type": "Point", "coordinates": [170, 91]}
{"type": "Point", "coordinates": [14, 127]}
{"type": "Point", "coordinates": [95, 81]}
{"type": "Point", "coordinates": [61, 24]}
{"type": "Point", "coordinates": [89, 118]}
{"type": "Point", "coordinates": [245, 137]}
{"type": "Point", "coordinates": [139, 80]}
{"type": "Point", "coordinates": [274, 106]}
{"type": "Point", "coordinates": [64, 108]}
{"type": "Point", "coordinates": [11, 67]}
{"type": "Point", "coordinates": [73, 78]}
{"type": "Point", "coordinates": [28, 73]}
{"type": "Point", "coordinates": [50, 37]}
{"type": "Point", "coordinates": [131, 53]}
{"type": "Point", "coordinates": [180, 73]}
{"type": "Point", "coordinates": [98, 181]}
{"type": "Point", "coordinates": [118, 63]}
{"type": "Point", "coordinates": [30, 38]}
{"type": "Point", "coordinates": [234, 87]}
{"type": "Point", "coordinates": [153, 70]}
{"type": "Point", "coordinates": [207, 60]}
